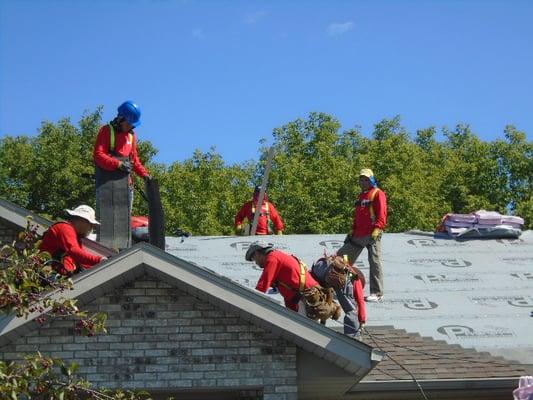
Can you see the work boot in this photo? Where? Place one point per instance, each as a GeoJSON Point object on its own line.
{"type": "Point", "coordinates": [374, 298]}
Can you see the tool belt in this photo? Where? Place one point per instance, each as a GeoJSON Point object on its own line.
{"type": "Point", "coordinates": [314, 298]}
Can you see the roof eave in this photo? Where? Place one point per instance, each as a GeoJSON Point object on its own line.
{"type": "Point", "coordinates": [375, 389]}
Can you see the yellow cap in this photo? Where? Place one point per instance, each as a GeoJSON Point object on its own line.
{"type": "Point", "coordinates": [366, 172]}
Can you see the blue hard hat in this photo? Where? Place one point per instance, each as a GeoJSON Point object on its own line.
{"type": "Point", "coordinates": [131, 112]}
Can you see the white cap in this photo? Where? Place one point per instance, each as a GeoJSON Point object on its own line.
{"type": "Point", "coordinates": [366, 172]}
{"type": "Point", "coordinates": [84, 212]}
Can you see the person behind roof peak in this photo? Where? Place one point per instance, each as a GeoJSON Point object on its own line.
{"type": "Point", "coordinates": [369, 220]}
{"type": "Point", "coordinates": [63, 241]}
{"type": "Point", "coordinates": [269, 221]}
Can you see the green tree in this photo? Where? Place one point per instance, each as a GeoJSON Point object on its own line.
{"type": "Point", "coordinates": [202, 194]}
{"type": "Point", "coordinates": [311, 181]}
{"type": "Point", "coordinates": [515, 159]}
{"type": "Point", "coordinates": [474, 179]}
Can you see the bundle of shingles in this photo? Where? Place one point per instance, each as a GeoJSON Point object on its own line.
{"type": "Point", "coordinates": [481, 224]}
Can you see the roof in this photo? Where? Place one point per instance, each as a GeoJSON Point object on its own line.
{"type": "Point", "coordinates": [476, 293]}
{"type": "Point", "coordinates": [430, 359]}
{"type": "Point", "coordinates": [435, 364]}
{"type": "Point", "coordinates": [461, 295]}
{"type": "Point", "coordinates": [353, 357]}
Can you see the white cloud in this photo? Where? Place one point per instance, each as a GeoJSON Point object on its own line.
{"type": "Point", "coordinates": [339, 28]}
{"type": "Point", "coordinates": [198, 33]}
{"type": "Point", "coordinates": [253, 17]}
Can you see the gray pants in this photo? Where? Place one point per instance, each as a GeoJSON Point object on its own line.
{"type": "Point", "coordinates": [354, 246]}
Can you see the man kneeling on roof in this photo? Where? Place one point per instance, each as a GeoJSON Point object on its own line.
{"type": "Point", "coordinates": [63, 242]}
{"type": "Point", "coordinates": [290, 275]}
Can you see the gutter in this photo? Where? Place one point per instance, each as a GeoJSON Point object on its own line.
{"type": "Point", "coordinates": [374, 387]}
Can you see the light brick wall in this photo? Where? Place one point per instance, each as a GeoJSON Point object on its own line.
{"type": "Point", "coordinates": [7, 233]}
{"type": "Point", "coordinates": [160, 337]}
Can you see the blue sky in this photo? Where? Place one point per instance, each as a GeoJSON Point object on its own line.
{"type": "Point", "coordinates": [225, 73]}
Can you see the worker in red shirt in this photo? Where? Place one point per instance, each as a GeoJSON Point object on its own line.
{"type": "Point", "coordinates": [370, 218]}
{"type": "Point", "coordinates": [269, 221]}
{"type": "Point", "coordinates": [116, 147]}
{"type": "Point", "coordinates": [63, 242]}
{"type": "Point", "coordinates": [280, 270]}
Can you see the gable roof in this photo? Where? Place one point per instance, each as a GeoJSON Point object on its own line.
{"type": "Point", "coordinates": [352, 356]}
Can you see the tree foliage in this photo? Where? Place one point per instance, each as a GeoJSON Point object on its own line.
{"type": "Point", "coordinates": [313, 179]}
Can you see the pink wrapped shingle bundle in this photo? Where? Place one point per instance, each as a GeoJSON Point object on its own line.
{"type": "Point", "coordinates": [513, 220]}
{"type": "Point", "coordinates": [467, 218]}
{"type": "Point", "coordinates": [489, 218]}
{"type": "Point", "coordinates": [460, 220]}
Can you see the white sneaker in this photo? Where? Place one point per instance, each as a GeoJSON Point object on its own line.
{"type": "Point", "coordinates": [373, 298]}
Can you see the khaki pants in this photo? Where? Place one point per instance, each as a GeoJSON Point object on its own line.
{"type": "Point", "coordinates": [353, 247]}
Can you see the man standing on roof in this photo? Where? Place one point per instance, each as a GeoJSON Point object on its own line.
{"type": "Point", "coordinates": [63, 242]}
{"type": "Point", "coordinates": [116, 146]}
{"type": "Point", "coordinates": [370, 218]}
{"type": "Point", "coordinates": [269, 221]}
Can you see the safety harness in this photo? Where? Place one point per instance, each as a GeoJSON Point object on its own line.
{"type": "Point", "coordinates": [265, 214]}
{"type": "Point", "coordinates": [315, 298]}
{"type": "Point", "coordinates": [369, 203]}
{"type": "Point", "coordinates": [300, 290]}
{"type": "Point", "coordinates": [112, 140]}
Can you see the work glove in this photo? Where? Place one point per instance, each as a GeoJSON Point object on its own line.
{"type": "Point", "coordinates": [376, 234]}
{"type": "Point", "coordinates": [279, 233]}
{"type": "Point", "coordinates": [125, 166]}
{"type": "Point", "coordinates": [239, 230]}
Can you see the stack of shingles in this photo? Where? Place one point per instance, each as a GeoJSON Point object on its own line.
{"type": "Point", "coordinates": [431, 359]}
{"type": "Point", "coordinates": [455, 224]}
{"type": "Point", "coordinates": [483, 222]}
{"type": "Point", "coordinates": [491, 219]}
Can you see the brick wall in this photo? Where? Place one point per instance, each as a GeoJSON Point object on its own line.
{"type": "Point", "coordinates": [7, 233]}
{"type": "Point", "coordinates": [160, 337]}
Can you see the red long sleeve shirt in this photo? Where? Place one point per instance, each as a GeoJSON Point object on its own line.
{"type": "Point", "coordinates": [282, 267]}
{"type": "Point", "coordinates": [362, 223]}
{"type": "Point", "coordinates": [125, 146]}
{"type": "Point", "coordinates": [360, 300]}
{"type": "Point", "coordinates": [247, 212]}
{"type": "Point", "coordinates": [61, 238]}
